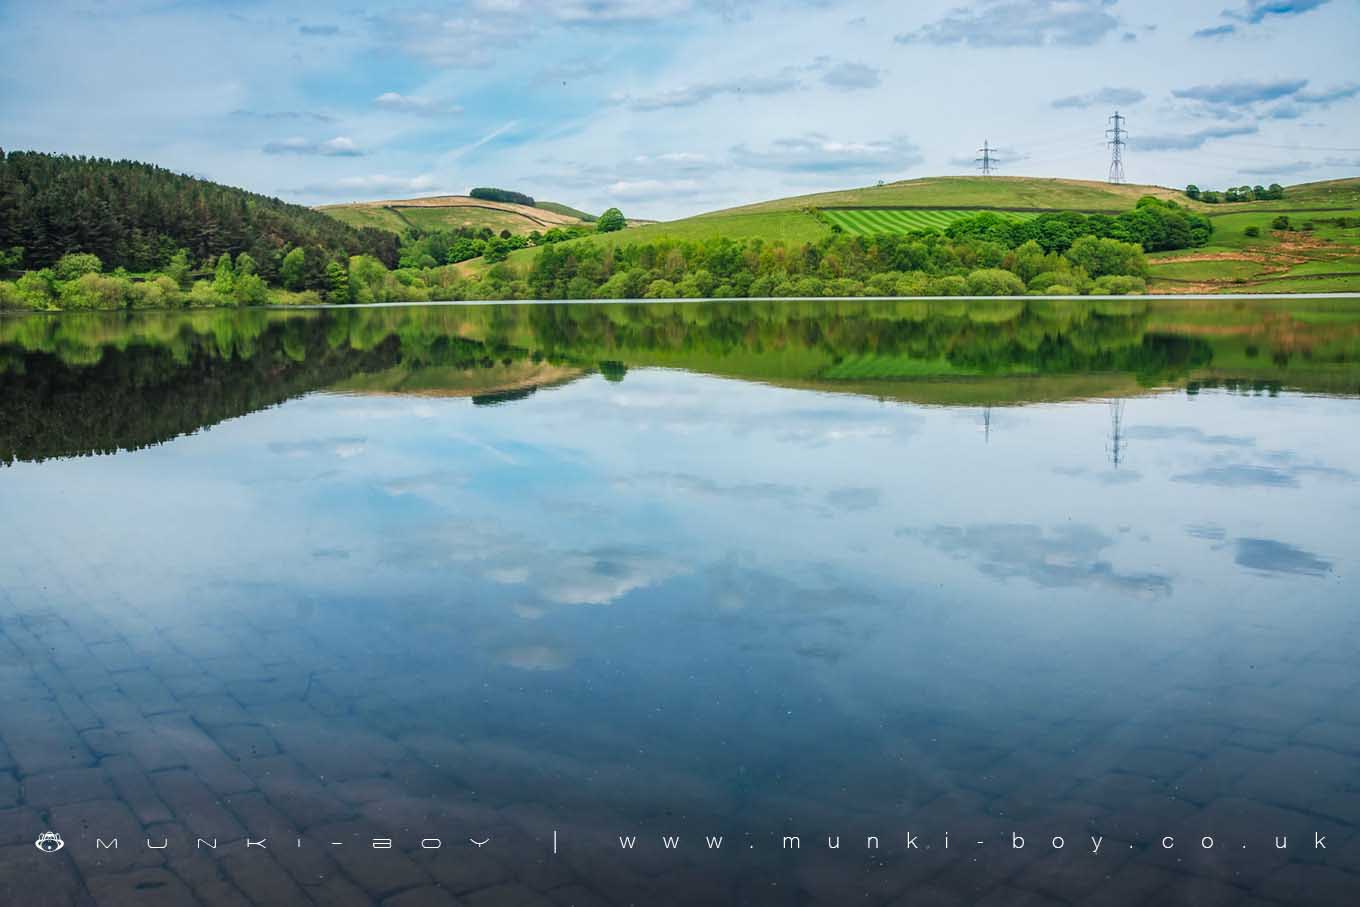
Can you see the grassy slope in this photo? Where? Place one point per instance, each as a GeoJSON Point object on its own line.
{"type": "Point", "coordinates": [1326, 259]}
{"type": "Point", "coordinates": [451, 211]}
{"type": "Point", "coordinates": [787, 218]}
{"type": "Point", "coordinates": [975, 191]}
{"type": "Point", "coordinates": [568, 210]}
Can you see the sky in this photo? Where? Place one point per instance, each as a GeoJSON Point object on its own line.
{"type": "Point", "coordinates": [666, 108]}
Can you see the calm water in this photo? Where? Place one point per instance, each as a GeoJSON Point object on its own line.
{"type": "Point", "coordinates": [791, 575]}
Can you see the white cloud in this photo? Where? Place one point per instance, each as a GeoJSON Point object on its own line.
{"type": "Point", "coordinates": [374, 185]}
{"type": "Point", "coordinates": [340, 146]}
{"type": "Point", "coordinates": [405, 103]}
{"type": "Point", "coordinates": [814, 152]}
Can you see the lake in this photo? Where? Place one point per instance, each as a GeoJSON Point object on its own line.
{"type": "Point", "coordinates": [798, 602]}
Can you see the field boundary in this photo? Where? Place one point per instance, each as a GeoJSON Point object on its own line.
{"type": "Point", "coordinates": [967, 208]}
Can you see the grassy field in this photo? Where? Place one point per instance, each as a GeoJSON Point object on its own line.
{"type": "Point", "coordinates": [1325, 258]}
{"type": "Point", "coordinates": [452, 211]}
{"type": "Point", "coordinates": [868, 221]}
{"type": "Point", "coordinates": [568, 210]}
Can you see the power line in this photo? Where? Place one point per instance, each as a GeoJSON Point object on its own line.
{"type": "Point", "coordinates": [986, 161]}
{"type": "Point", "coordinates": [1116, 143]}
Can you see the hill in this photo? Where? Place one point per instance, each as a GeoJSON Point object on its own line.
{"type": "Point", "coordinates": [452, 211]}
{"type": "Point", "coordinates": [795, 219]}
{"type": "Point", "coordinates": [1020, 193]}
{"type": "Point", "coordinates": [136, 215]}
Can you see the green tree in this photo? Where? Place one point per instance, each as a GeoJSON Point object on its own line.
{"type": "Point", "coordinates": [337, 280]}
{"type": "Point", "coordinates": [246, 265]}
{"type": "Point", "coordinates": [76, 264]}
{"type": "Point", "coordinates": [1192, 191]}
{"type": "Point", "coordinates": [293, 271]}
{"type": "Point", "coordinates": [11, 258]}
{"type": "Point", "coordinates": [610, 221]}
{"type": "Point", "coordinates": [1099, 256]}
{"type": "Point", "coordinates": [178, 268]}
{"type": "Point", "coordinates": [249, 289]}
{"type": "Point", "coordinates": [224, 280]}
{"type": "Point", "coordinates": [38, 288]}
{"type": "Point", "coordinates": [994, 282]}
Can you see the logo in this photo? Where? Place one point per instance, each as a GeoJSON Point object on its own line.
{"type": "Point", "coordinates": [49, 842]}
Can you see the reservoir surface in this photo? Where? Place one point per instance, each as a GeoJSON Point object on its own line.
{"type": "Point", "coordinates": [796, 602]}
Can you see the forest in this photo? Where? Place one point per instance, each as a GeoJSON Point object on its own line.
{"type": "Point", "coordinates": [139, 216]}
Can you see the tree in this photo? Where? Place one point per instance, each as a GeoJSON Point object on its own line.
{"type": "Point", "coordinates": [994, 282]}
{"type": "Point", "coordinates": [1280, 223]}
{"type": "Point", "coordinates": [38, 288]}
{"type": "Point", "coordinates": [610, 221]}
{"type": "Point", "coordinates": [337, 278]}
{"type": "Point", "coordinates": [245, 265]}
{"type": "Point", "coordinates": [249, 289]}
{"type": "Point", "coordinates": [11, 258]}
{"type": "Point", "coordinates": [1100, 256]}
{"type": "Point", "coordinates": [293, 271]}
{"type": "Point", "coordinates": [1192, 191]}
{"type": "Point", "coordinates": [76, 264]}
{"type": "Point", "coordinates": [178, 269]}
{"type": "Point", "coordinates": [224, 280]}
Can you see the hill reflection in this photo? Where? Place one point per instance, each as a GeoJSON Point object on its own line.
{"type": "Point", "coordinates": [96, 383]}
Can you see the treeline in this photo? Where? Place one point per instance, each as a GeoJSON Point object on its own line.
{"type": "Point", "coordinates": [1156, 225]}
{"type": "Point", "coordinates": [489, 194]}
{"type": "Point", "coordinates": [916, 264]}
{"type": "Point", "coordinates": [919, 264]}
{"type": "Point", "coordinates": [1235, 194]}
{"type": "Point", "coordinates": [138, 217]}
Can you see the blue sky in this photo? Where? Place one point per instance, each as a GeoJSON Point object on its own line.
{"type": "Point", "coordinates": [672, 107]}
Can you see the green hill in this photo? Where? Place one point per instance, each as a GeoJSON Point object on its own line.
{"type": "Point", "coordinates": [995, 192]}
{"type": "Point", "coordinates": [447, 212]}
{"type": "Point", "coordinates": [795, 219]}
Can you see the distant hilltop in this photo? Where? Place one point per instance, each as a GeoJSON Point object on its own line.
{"type": "Point", "coordinates": [494, 209]}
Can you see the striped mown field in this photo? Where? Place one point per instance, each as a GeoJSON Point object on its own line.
{"type": "Point", "coordinates": [866, 221]}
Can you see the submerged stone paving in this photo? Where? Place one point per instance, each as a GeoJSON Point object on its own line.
{"type": "Point", "coordinates": [151, 733]}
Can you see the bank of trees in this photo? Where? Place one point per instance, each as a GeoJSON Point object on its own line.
{"type": "Point", "coordinates": [1235, 193]}
{"type": "Point", "coordinates": [922, 264]}
{"type": "Point", "coordinates": [1154, 224]}
{"type": "Point", "coordinates": [505, 196]}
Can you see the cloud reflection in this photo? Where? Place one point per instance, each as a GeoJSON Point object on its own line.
{"type": "Point", "coordinates": [1069, 556]}
{"type": "Point", "coordinates": [1271, 556]}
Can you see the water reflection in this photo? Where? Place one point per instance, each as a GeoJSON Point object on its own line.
{"type": "Point", "coordinates": [705, 598]}
{"type": "Point", "coordinates": [102, 382]}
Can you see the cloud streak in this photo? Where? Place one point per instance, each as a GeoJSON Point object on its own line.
{"type": "Point", "coordinates": [818, 153]}
{"type": "Point", "coordinates": [1020, 23]}
{"type": "Point", "coordinates": [1105, 97]}
{"type": "Point", "coordinates": [1189, 141]}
